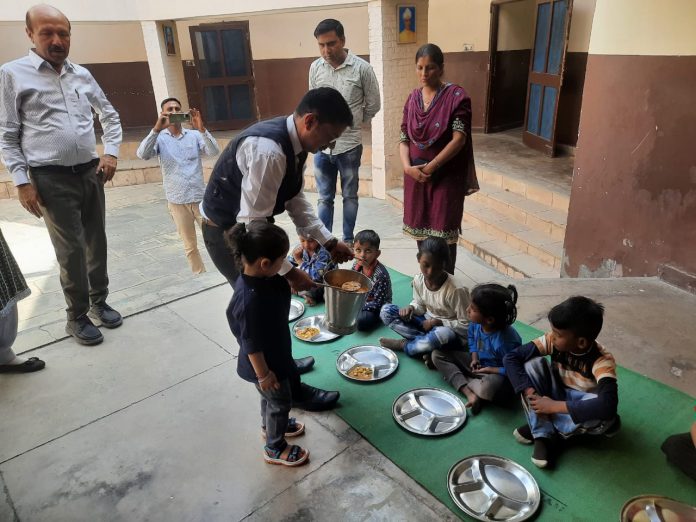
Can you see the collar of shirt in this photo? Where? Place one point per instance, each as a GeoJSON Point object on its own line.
{"type": "Point", "coordinates": [183, 133]}
{"type": "Point", "coordinates": [37, 62]}
{"type": "Point", "coordinates": [349, 61]}
{"type": "Point", "coordinates": [294, 138]}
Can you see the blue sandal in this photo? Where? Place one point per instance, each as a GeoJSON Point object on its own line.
{"type": "Point", "coordinates": [296, 456]}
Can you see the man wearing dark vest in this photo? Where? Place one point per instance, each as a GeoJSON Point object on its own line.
{"type": "Point", "coordinates": [260, 175]}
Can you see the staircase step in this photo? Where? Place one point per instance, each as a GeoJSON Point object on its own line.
{"type": "Point", "coordinates": [504, 257]}
{"type": "Point", "coordinates": [530, 190]}
{"type": "Point", "coordinates": [517, 207]}
{"type": "Point", "coordinates": [519, 236]}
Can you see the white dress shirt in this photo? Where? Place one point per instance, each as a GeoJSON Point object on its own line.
{"type": "Point", "coordinates": [46, 117]}
{"type": "Point", "coordinates": [262, 164]}
{"type": "Point", "coordinates": [356, 81]}
{"type": "Point", "coordinates": [180, 159]}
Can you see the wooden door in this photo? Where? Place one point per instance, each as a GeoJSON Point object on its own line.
{"type": "Point", "coordinates": [225, 75]}
{"type": "Point", "coordinates": [546, 73]}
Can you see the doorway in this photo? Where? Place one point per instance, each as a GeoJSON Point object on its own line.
{"type": "Point", "coordinates": [530, 88]}
{"type": "Point", "coordinates": [224, 71]}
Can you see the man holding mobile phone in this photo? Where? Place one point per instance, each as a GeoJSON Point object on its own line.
{"type": "Point", "coordinates": [179, 151]}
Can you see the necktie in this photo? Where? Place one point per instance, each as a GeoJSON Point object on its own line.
{"type": "Point", "coordinates": [301, 159]}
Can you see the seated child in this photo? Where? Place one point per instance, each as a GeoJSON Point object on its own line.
{"type": "Point", "coordinates": [312, 258]}
{"type": "Point", "coordinates": [258, 318]}
{"type": "Point", "coordinates": [479, 373]}
{"type": "Point", "coordinates": [576, 392]}
{"type": "Point", "coordinates": [436, 317]}
{"type": "Point", "coordinates": [366, 250]}
{"type": "Point", "coordinates": [680, 450]}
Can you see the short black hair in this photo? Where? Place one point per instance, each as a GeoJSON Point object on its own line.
{"type": "Point", "coordinates": [581, 315]}
{"type": "Point", "coordinates": [497, 302]}
{"type": "Point", "coordinates": [433, 51]}
{"type": "Point", "coordinates": [255, 240]}
{"type": "Point", "coordinates": [328, 25]}
{"type": "Point", "coordinates": [436, 247]}
{"type": "Point", "coordinates": [167, 100]}
{"type": "Point", "coordinates": [328, 105]}
{"type": "Point", "coordinates": [367, 236]}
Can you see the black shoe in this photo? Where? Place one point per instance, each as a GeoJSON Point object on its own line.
{"type": "Point", "coordinates": [541, 455]}
{"type": "Point", "coordinates": [614, 428]}
{"type": "Point", "coordinates": [523, 434]}
{"type": "Point", "coordinates": [315, 399]}
{"type": "Point", "coordinates": [84, 331]}
{"type": "Point", "coordinates": [305, 364]}
{"type": "Point", "coordinates": [105, 315]}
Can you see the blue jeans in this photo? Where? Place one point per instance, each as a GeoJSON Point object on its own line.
{"type": "Point", "coordinates": [275, 413]}
{"type": "Point", "coordinates": [419, 341]}
{"type": "Point", "coordinates": [546, 381]}
{"type": "Point", "coordinates": [326, 170]}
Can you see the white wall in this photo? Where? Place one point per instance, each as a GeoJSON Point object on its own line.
{"type": "Point", "coordinates": [288, 35]}
{"type": "Point", "coordinates": [453, 23]}
{"type": "Point", "coordinates": [89, 43]}
{"type": "Point", "coordinates": [644, 27]}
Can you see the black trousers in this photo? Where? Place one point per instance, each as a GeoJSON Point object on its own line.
{"type": "Point", "coordinates": [214, 239]}
{"type": "Point", "coordinates": [681, 452]}
{"type": "Point", "coordinates": [74, 213]}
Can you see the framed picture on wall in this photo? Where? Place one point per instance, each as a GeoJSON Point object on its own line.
{"type": "Point", "coordinates": [406, 22]}
{"type": "Point", "coordinates": [169, 39]}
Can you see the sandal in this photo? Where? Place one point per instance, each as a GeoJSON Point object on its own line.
{"type": "Point", "coordinates": [33, 364]}
{"type": "Point", "coordinates": [296, 456]}
{"type": "Point", "coordinates": [294, 428]}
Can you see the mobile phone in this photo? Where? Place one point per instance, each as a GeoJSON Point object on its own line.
{"type": "Point", "coordinates": [179, 117]}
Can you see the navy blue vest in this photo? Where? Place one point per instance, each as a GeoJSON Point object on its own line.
{"type": "Point", "coordinates": [223, 193]}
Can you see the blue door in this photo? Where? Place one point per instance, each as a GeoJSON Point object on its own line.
{"type": "Point", "coordinates": [546, 73]}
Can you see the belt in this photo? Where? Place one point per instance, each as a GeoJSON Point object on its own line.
{"type": "Point", "coordinates": [62, 169]}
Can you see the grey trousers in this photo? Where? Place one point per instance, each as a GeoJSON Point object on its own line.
{"type": "Point", "coordinates": [8, 334]}
{"type": "Point", "coordinates": [454, 367]}
{"type": "Point", "coordinates": [74, 213]}
{"type": "Point", "coordinates": [275, 413]}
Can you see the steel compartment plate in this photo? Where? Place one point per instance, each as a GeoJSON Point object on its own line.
{"type": "Point", "coordinates": [381, 361]}
{"type": "Point", "coordinates": [316, 321]}
{"type": "Point", "coordinates": [429, 411]}
{"type": "Point", "coordinates": [488, 487]}
{"type": "Point", "coordinates": [654, 508]}
{"type": "Point", "coordinates": [296, 310]}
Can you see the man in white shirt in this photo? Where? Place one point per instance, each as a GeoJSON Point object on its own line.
{"type": "Point", "coordinates": [179, 151]}
{"type": "Point", "coordinates": [48, 145]}
{"type": "Point", "coordinates": [354, 78]}
{"type": "Point", "coordinates": [259, 175]}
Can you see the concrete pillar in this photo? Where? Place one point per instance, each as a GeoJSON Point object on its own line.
{"type": "Point", "coordinates": [394, 65]}
{"type": "Point", "coordinates": [166, 71]}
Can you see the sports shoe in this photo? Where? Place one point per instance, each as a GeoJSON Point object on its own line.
{"type": "Point", "coordinates": [523, 434]}
{"type": "Point", "coordinates": [540, 456]}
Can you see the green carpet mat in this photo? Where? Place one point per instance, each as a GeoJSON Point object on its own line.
{"type": "Point", "coordinates": [593, 476]}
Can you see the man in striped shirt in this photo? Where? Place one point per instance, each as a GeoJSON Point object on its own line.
{"type": "Point", "coordinates": [576, 392]}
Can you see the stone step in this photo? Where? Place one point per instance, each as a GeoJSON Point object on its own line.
{"type": "Point", "coordinates": [545, 194]}
{"type": "Point", "coordinates": [517, 207]}
{"type": "Point", "coordinates": [505, 256]}
{"type": "Point", "coordinates": [519, 236]}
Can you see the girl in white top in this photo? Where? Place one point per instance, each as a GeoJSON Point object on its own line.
{"type": "Point", "coordinates": [436, 318]}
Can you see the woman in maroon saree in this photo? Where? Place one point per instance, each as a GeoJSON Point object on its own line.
{"type": "Point", "coordinates": [436, 154]}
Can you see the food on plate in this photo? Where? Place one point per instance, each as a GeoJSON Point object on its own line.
{"type": "Point", "coordinates": [360, 372]}
{"type": "Point", "coordinates": [307, 333]}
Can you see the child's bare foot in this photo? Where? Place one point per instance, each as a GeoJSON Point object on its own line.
{"type": "Point", "coordinates": [393, 344]}
{"type": "Point", "coordinates": [291, 456]}
{"type": "Point", "coordinates": [473, 400]}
